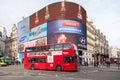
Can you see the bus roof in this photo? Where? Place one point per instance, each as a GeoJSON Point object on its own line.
{"type": "Point", "coordinates": [49, 44]}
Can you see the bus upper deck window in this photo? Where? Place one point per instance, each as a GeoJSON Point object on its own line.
{"type": "Point", "coordinates": [58, 47]}
{"type": "Point", "coordinates": [66, 46]}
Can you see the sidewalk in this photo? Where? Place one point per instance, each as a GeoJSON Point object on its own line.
{"type": "Point", "coordinates": [102, 68]}
{"type": "Point", "coordinates": [112, 68]}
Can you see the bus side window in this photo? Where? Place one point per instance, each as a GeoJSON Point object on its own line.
{"type": "Point", "coordinates": [31, 59]}
{"type": "Point", "coordinates": [39, 49]}
{"type": "Point", "coordinates": [31, 49]}
{"type": "Point", "coordinates": [40, 60]}
{"type": "Point", "coordinates": [68, 59]}
{"type": "Point", "coordinates": [52, 47]}
{"type": "Point", "coordinates": [58, 47]}
{"type": "Point", "coordinates": [47, 48]}
{"type": "Point", "coordinates": [43, 48]}
{"type": "Point", "coordinates": [66, 46]}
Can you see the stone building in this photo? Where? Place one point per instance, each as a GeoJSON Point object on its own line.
{"type": "Point", "coordinates": [14, 45]}
{"type": "Point", "coordinates": [90, 43]}
{"type": "Point", "coordinates": [101, 49]}
{"type": "Point", "coordinates": [2, 40]}
{"type": "Point", "coordinates": [11, 46]}
{"type": "Point", "coordinates": [8, 46]}
{"type": "Point", "coordinates": [113, 50]}
{"type": "Point", "coordinates": [97, 44]}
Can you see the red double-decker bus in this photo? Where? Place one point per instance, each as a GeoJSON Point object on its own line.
{"type": "Point", "coordinates": [63, 56]}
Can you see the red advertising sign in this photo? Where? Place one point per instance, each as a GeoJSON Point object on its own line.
{"type": "Point", "coordinates": [73, 24]}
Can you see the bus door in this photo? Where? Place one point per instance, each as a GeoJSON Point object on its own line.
{"type": "Point", "coordinates": [69, 63]}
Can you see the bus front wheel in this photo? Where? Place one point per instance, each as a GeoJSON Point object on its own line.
{"type": "Point", "coordinates": [32, 67]}
{"type": "Point", "coordinates": [58, 68]}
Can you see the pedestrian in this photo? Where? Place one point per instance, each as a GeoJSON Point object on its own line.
{"type": "Point", "coordinates": [108, 62]}
{"type": "Point", "coordinates": [95, 64]}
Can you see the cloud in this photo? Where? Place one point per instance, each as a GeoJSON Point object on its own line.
{"type": "Point", "coordinates": [104, 13]}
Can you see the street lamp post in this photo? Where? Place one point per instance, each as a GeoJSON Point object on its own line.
{"type": "Point", "coordinates": [118, 54]}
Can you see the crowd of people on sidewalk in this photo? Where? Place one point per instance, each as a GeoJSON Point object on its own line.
{"type": "Point", "coordinates": [97, 63]}
{"type": "Point", "coordinates": [106, 63]}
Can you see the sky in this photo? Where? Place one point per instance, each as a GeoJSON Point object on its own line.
{"type": "Point", "coordinates": [103, 13]}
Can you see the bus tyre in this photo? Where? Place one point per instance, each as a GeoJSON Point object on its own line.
{"type": "Point", "coordinates": [32, 67]}
{"type": "Point", "coordinates": [58, 68]}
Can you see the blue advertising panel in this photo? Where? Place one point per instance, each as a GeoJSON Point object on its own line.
{"type": "Point", "coordinates": [23, 30]}
{"type": "Point", "coordinates": [23, 38]}
{"type": "Point", "coordinates": [60, 31]}
{"type": "Point", "coordinates": [38, 31]}
{"type": "Point", "coordinates": [66, 26]}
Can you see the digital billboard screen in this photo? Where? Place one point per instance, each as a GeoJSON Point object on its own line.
{"type": "Point", "coordinates": [23, 30]}
{"type": "Point", "coordinates": [59, 10]}
{"type": "Point", "coordinates": [54, 22]}
{"type": "Point", "coordinates": [21, 47]}
{"type": "Point", "coordinates": [60, 31]}
{"type": "Point", "coordinates": [79, 40]}
{"type": "Point", "coordinates": [38, 32]}
{"type": "Point", "coordinates": [61, 38]}
{"type": "Point", "coordinates": [36, 42]}
{"type": "Point", "coordinates": [66, 26]}
{"type": "Point", "coordinates": [41, 41]}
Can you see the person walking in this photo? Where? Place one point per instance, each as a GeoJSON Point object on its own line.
{"type": "Point", "coordinates": [108, 62]}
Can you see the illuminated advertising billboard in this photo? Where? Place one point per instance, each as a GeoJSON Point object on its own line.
{"type": "Point", "coordinates": [23, 30]}
{"type": "Point", "coordinates": [61, 38]}
{"type": "Point", "coordinates": [21, 47]}
{"type": "Point", "coordinates": [59, 10]}
{"type": "Point", "coordinates": [38, 31]}
{"type": "Point", "coordinates": [37, 42]}
{"type": "Point", "coordinates": [41, 41]}
{"type": "Point", "coordinates": [55, 23]}
{"type": "Point", "coordinates": [60, 31]}
{"type": "Point", "coordinates": [66, 26]}
{"type": "Point", "coordinates": [81, 42]}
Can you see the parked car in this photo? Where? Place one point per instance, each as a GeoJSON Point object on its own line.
{"type": "Point", "coordinates": [3, 63]}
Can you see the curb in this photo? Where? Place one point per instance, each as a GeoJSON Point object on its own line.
{"type": "Point", "coordinates": [111, 69]}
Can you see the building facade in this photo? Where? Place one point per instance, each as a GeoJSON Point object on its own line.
{"type": "Point", "coordinates": [11, 44]}
{"type": "Point", "coordinates": [14, 38]}
{"type": "Point", "coordinates": [113, 50]}
{"type": "Point", "coordinates": [2, 40]}
{"type": "Point", "coordinates": [90, 43]}
{"type": "Point", "coordinates": [8, 44]}
{"type": "Point", "coordinates": [101, 47]}
{"type": "Point", "coordinates": [97, 45]}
